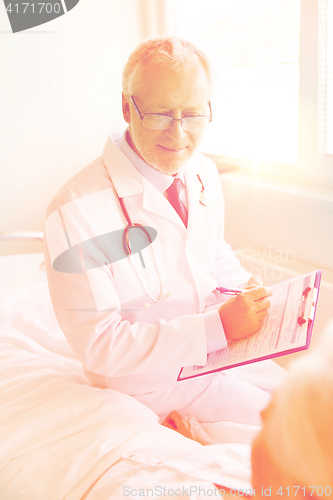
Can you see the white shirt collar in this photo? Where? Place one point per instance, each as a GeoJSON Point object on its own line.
{"type": "Point", "coordinates": [158, 179]}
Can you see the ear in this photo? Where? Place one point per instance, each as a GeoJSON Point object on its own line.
{"type": "Point", "coordinates": [126, 108]}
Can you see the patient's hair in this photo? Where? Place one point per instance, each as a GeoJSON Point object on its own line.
{"type": "Point", "coordinates": [300, 435]}
{"type": "Point", "coordinates": [171, 51]}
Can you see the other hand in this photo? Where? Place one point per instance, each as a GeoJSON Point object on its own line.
{"type": "Point", "coordinates": [243, 315]}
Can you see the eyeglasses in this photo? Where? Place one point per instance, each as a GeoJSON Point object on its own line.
{"type": "Point", "coordinates": [157, 121]}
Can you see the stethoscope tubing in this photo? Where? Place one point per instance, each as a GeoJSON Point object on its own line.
{"type": "Point", "coordinates": [128, 251]}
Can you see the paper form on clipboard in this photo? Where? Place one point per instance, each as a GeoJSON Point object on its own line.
{"type": "Point", "coordinates": [287, 328]}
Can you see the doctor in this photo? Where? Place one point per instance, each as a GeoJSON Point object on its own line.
{"type": "Point", "coordinates": [135, 320]}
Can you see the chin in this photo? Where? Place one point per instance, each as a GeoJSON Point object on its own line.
{"type": "Point", "coordinates": [168, 167]}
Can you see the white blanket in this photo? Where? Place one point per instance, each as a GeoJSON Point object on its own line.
{"type": "Point", "coordinates": [63, 439]}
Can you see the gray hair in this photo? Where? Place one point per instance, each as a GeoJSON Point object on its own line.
{"type": "Point", "coordinates": [300, 432]}
{"type": "Point", "coordinates": [171, 51]}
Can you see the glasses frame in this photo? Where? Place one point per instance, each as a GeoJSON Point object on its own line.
{"type": "Point", "coordinates": [141, 116]}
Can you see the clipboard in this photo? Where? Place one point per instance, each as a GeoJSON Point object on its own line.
{"type": "Point", "coordinates": [297, 320]}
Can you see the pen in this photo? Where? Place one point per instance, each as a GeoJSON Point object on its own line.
{"type": "Point", "coordinates": [229, 291]}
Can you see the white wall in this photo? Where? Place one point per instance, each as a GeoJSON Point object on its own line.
{"type": "Point", "coordinates": [60, 97]}
{"type": "Point", "coordinates": [289, 221]}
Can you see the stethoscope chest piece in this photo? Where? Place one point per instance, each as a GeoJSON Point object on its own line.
{"type": "Point", "coordinates": [205, 198]}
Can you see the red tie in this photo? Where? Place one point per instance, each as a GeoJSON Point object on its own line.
{"type": "Point", "coordinates": [173, 194]}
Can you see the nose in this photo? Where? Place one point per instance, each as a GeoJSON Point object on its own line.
{"type": "Point", "coordinates": [176, 131]}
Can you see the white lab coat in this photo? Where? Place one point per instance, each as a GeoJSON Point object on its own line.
{"type": "Point", "coordinates": [122, 344]}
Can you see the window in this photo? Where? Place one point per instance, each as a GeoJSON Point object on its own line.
{"type": "Point", "coordinates": [273, 107]}
{"type": "Point", "coordinates": [325, 77]}
{"type": "Point", "coordinates": [254, 47]}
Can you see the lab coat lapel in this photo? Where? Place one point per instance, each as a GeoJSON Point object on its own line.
{"type": "Point", "coordinates": [125, 177]}
{"type": "Point", "coordinates": [197, 241]}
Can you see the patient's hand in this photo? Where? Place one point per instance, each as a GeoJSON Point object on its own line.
{"type": "Point", "coordinates": [188, 426]}
{"type": "Point", "coordinates": [191, 428]}
{"type": "Point", "coordinates": [243, 315]}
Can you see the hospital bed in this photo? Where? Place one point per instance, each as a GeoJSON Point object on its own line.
{"type": "Point", "coordinates": [61, 438]}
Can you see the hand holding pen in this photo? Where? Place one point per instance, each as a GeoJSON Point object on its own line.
{"type": "Point", "coordinates": [243, 313]}
{"type": "Point", "coordinates": [230, 291]}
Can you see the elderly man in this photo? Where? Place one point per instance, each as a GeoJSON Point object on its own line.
{"type": "Point", "coordinates": [135, 249]}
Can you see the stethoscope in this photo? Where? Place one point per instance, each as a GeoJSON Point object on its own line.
{"type": "Point", "coordinates": [204, 198]}
{"type": "Point", "coordinates": [128, 251]}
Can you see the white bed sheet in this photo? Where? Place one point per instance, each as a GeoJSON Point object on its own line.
{"type": "Point", "coordinates": [63, 439]}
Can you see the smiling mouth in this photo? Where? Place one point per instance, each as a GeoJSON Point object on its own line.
{"type": "Point", "coordinates": [171, 150]}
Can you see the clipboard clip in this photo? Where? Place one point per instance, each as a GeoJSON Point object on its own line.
{"type": "Point", "coordinates": [301, 320]}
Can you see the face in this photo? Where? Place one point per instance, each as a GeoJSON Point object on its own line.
{"type": "Point", "coordinates": [173, 93]}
